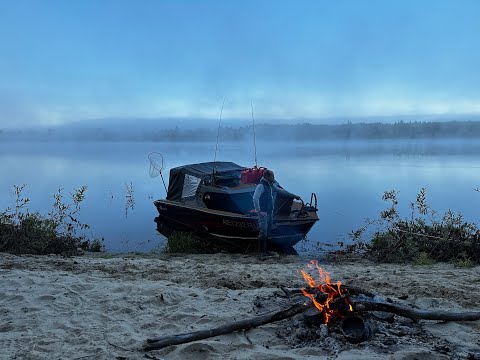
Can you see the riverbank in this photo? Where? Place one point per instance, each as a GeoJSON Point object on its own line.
{"type": "Point", "coordinates": [104, 306]}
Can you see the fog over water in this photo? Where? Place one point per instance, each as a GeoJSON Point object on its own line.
{"type": "Point", "coordinates": [348, 177]}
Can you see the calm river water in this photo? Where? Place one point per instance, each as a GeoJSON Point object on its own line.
{"type": "Point", "coordinates": [349, 179]}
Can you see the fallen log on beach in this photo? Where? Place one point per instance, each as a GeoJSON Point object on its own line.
{"type": "Point", "coordinates": [161, 342]}
{"type": "Point", "coordinates": [415, 314]}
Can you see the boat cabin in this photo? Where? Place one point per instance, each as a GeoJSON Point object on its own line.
{"type": "Point", "coordinates": [215, 185]}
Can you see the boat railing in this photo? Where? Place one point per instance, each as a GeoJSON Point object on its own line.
{"type": "Point", "coordinates": [313, 202]}
{"type": "Point", "coordinates": [311, 206]}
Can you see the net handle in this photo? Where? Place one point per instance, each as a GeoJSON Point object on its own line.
{"type": "Point", "coordinates": [156, 166]}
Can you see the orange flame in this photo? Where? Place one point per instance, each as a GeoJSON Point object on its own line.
{"type": "Point", "coordinates": [325, 285]}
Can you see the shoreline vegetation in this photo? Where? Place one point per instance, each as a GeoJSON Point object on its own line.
{"type": "Point", "coordinates": [423, 237]}
{"type": "Point", "coordinates": [58, 232]}
{"type": "Point", "coordinates": [152, 131]}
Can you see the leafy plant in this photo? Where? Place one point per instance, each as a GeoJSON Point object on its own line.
{"type": "Point", "coordinates": [24, 232]}
{"type": "Point", "coordinates": [464, 263]}
{"type": "Point", "coordinates": [192, 243]}
{"type": "Point", "coordinates": [423, 237]}
{"type": "Point", "coordinates": [180, 242]}
{"type": "Point", "coordinates": [129, 198]}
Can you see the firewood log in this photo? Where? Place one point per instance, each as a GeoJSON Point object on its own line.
{"type": "Point", "coordinates": [415, 314]}
{"type": "Point", "coordinates": [161, 342]}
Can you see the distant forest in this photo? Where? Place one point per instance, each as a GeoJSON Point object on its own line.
{"type": "Point", "coordinates": [300, 132]}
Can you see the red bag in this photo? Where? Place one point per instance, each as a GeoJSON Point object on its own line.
{"type": "Point", "coordinates": [252, 175]}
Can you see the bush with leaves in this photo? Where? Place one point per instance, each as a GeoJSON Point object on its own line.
{"type": "Point", "coordinates": [423, 237]}
{"type": "Point", "coordinates": [24, 232]}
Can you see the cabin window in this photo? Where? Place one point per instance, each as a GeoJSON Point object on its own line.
{"type": "Point", "coordinates": [190, 186]}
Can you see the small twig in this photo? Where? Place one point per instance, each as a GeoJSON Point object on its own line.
{"type": "Point", "coordinates": [246, 336]}
{"type": "Point", "coordinates": [287, 292]}
{"type": "Point", "coordinates": [148, 356]}
{"type": "Point", "coordinates": [114, 345]}
{"type": "Point", "coordinates": [72, 291]}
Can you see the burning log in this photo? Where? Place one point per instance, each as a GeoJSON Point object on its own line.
{"type": "Point", "coordinates": [312, 317]}
{"type": "Point", "coordinates": [161, 342]}
{"type": "Point", "coordinates": [351, 290]}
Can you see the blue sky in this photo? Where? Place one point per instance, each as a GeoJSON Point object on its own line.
{"type": "Point", "coordinates": [63, 61]}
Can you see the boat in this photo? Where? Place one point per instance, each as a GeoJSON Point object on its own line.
{"type": "Point", "coordinates": [214, 202]}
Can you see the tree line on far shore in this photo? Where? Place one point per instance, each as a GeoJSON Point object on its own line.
{"type": "Point", "coordinates": [295, 132]}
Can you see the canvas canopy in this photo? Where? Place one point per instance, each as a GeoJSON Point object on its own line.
{"type": "Point", "coordinates": [184, 180]}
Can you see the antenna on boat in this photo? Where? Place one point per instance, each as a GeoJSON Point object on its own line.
{"type": "Point", "coordinates": [218, 133]}
{"type": "Point", "coordinates": [156, 166]}
{"type": "Point", "coordinates": [254, 138]}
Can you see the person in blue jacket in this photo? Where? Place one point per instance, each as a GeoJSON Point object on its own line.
{"type": "Point", "coordinates": [263, 201]}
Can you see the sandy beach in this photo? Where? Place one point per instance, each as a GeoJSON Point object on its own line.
{"type": "Point", "coordinates": [105, 306]}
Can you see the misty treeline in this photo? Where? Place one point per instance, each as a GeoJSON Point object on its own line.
{"type": "Point", "coordinates": [295, 132]}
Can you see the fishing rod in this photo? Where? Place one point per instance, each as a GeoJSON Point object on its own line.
{"type": "Point", "coordinates": [254, 137]}
{"type": "Point", "coordinates": [218, 134]}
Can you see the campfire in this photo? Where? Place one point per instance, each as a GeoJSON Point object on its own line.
{"type": "Point", "coordinates": [327, 297]}
{"type": "Point", "coordinates": [332, 305]}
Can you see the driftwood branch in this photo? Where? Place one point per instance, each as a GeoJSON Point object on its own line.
{"type": "Point", "coordinates": [161, 342]}
{"type": "Point", "coordinates": [416, 314]}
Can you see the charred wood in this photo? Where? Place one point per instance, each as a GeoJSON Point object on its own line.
{"type": "Point", "coordinates": [351, 290]}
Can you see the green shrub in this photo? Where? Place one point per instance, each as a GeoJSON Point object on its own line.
{"type": "Point", "coordinates": [422, 238]}
{"type": "Point", "coordinates": [181, 242]}
{"type": "Point", "coordinates": [96, 245]}
{"type": "Point", "coordinates": [24, 232]}
{"type": "Point", "coordinates": [464, 263]}
{"type": "Point", "coordinates": [193, 243]}
{"type": "Point", "coordinates": [424, 259]}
